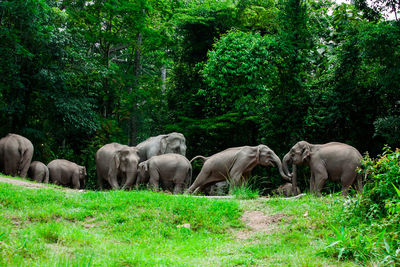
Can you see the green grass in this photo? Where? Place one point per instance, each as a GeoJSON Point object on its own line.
{"type": "Point", "coordinates": [243, 192]}
{"type": "Point", "coordinates": [47, 227]}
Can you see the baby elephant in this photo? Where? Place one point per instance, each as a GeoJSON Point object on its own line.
{"type": "Point", "coordinates": [171, 170]}
{"type": "Point", "coordinates": [38, 172]}
{"type": "Point", "coordinates": [67, 173]}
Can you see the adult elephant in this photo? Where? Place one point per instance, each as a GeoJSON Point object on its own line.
{"type": "Point", "coordinates": [172, 171]}
{"type": "Point", "coordinates": [162, 144]}
{"type": "Point", "coordinates": [16, 154]}
{"type": "Point", "coordinates": [39, 172]}
{"type": "Point", "coordinates": [117, 165]}
{"type": "Point", "coordinates": [335, 161]}
{"type": "Point", "coordinates": [234, 164]}
{"type": "Point", "coordinates": [66, 173]}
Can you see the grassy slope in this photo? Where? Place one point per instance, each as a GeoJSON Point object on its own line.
{"type": "Point", "coordinates": [53, 227]}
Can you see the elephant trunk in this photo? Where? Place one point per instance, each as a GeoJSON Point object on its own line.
{"type": "Point", "coordinates": [130, 179]}
{"type": "Point", "coordinates": [278, 162]}
{"type": "Point", "coordinates": [286, 160]}
{"type": "Point", "coordinates": [294, 180]}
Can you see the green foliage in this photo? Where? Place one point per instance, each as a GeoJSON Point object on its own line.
{"type": "Point", "coordinates": [370, 222]}
{"type": "Point", "coordinates": [238, 73]}
{"type": "Point", "coordinates": [245, 190]}
{"type": "Point", "coordinates": [383, 173]}
{"type": "Point", "coordinates": [260, 15]}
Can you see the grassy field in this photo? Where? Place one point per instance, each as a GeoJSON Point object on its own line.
{"type": "Point", "coordinates": [49, 227]}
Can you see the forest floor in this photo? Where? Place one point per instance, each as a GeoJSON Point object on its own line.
{"type": "Point", "coordinates": [70, 227]}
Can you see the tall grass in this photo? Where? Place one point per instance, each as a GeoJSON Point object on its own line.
{"type": "Point", "coordinates": [244, 190]}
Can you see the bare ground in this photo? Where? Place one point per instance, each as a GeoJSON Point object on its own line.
{"type": "Point", "coordinates": [32, 185]}
{"type": "Point", "coordinates": [258, 222]}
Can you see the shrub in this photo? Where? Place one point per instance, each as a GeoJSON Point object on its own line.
{"type": "Point", "coordinates": [368, 227]}
{"type": "Point", "coordinates": [383, 174]}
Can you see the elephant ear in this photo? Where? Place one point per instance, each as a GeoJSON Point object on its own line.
{"type": "Point", "coordinates": [163, 144]}
{"type": "Point", "coordinates": [306, 153]}
{"type": "Point", "coordinates": [114, 165]}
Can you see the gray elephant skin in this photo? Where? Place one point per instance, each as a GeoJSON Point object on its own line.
{"type": "Point", "coordinates": [66, 173]}
{"type": "Point", "coordinates": [39, 172]}
{"type": "Point", "coordinates": [162, 144]}
{"type": "Point", "coordinates": [116, 166]}
{"type": "Point", "coordinates": [16, 153]}
{"type": "Point", "coordinates": [172, 171]}
{"type": "Point", "coordinates": [234, 164]}
{"type": "Point", "coordinates": [335, 161]}
{"type": "Point", "coordinates": [286, 190]}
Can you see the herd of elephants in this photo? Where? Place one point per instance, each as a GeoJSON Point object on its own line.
{"type": "Point", "coordinates": [160, 161]}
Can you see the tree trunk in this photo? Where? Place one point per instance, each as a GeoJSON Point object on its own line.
{"type": "Point", "coordinates": [136, 70]}
{"type": "Point", "coordinates": [163, 78]}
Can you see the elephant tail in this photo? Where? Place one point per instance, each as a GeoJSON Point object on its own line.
{"type": "Point", "coordinates": [197, 157]}
{"type": "Point", "coordinates": [46, 176]}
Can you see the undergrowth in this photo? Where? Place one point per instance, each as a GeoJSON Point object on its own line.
{"type": "Point", "coordinates": [368, 227]}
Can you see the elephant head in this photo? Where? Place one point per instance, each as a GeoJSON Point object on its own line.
{"type": "Point", "coordinates": [298, 154]}
{"type": "Point", "coordinates": [143, 173]}
{"type": "Point", "coordinates": [267, 157]}
{"type": "Point", "coordinates": [124, 163]}
{"type": "Point", "coordinates": [82, 176]}
{"type": "Point", "coordinates": [173, 143]}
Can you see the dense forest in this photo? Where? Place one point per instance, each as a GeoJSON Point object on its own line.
{"type": "Point", "coordinates": [77, 74]}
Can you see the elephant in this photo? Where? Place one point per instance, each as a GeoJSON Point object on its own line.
{"type": "Point", "coordinates": [169, 170]}
{"type": "Point", "coordinates": [16, 153]}
{"type": "Point", "coordinates": [286, 190]}
{"type": "Point", "coordinates": [117, 165]}
{"type": "Point", "coordinates": [335, 161]}
{"type": "Point", "coordinates": [162, 144]}
{"type": "Point", "coordinates": [39, 172]}
{"type": "Point", "coordinates": [234, 164]}
{"type": "Point", "coordinates": [66, 173]}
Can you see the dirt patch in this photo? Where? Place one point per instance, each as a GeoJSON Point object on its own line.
{"type": "Point", "coordinates": [258, 222]}
{"type": "Point", "coordinates": [90, 222]}
{"type": "Point", "coordinates": [26, 184]}
{"type": "Point", "coordinates": [34, 185]}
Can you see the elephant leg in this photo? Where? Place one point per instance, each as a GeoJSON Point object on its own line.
{"type": "Point", "coordinates": [46, 177]}
{"type": "Point", "coordinates": [154, 180]}
{"type": "Point", "coordinates": [113, 181]}
{"type": "Point", "coordinates": [312, 183]}
{"type": "Point", "coordinates": [26, 161]}
{"type": "Point", "coordinates": [11, 164]}
{"type": "Point", "coordinates": [320, 177]}
{"type": "Point", "coordinates": [235, 176]}
{"type": "Point", "coordinates": [178, 188]}
{"type": "Point", "coordinates": [75, 181]}
{"type": "Point", "coordinates": [200, 180]}
{"type": "Point", "coordinates": [100, 183]}
{"type": "Point", "coordinates": [347, 180]}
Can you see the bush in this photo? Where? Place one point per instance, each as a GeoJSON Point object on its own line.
{"type": "Point", "coordinates": [383, 175]}
{"type": "Point", "coordinates": [368, 227]}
